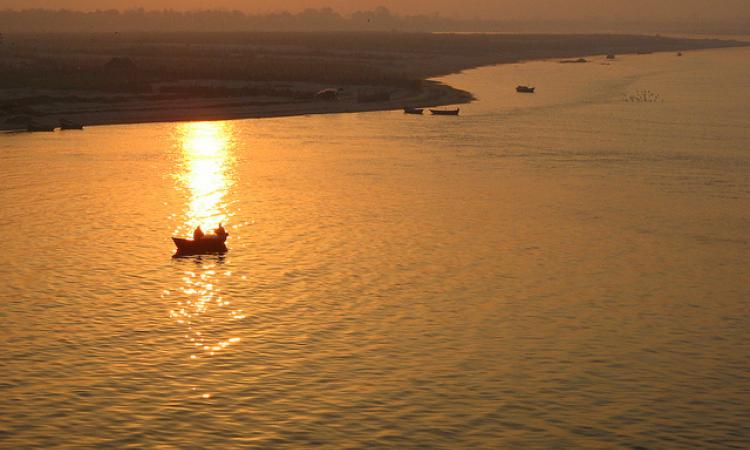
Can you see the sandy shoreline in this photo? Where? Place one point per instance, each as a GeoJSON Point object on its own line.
{"type": "Point", "coordinates": [104, 110]}
{"type": "Point", "coordinates": [433, 94]}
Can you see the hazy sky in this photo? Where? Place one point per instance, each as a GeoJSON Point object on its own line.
{"type": "Point", "coordinates": [492, 9]}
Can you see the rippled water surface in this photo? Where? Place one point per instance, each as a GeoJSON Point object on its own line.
{"type": "Point", "coordinates": [563, 269]}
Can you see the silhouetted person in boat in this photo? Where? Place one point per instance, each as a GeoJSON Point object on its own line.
{"type": "Point", "coordinates": [221, 232]}
{"type": "Point", "coordinates": [198, 233]}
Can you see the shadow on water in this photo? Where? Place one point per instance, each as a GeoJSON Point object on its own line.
{"type": "Point", "coordinates": [201, 258]}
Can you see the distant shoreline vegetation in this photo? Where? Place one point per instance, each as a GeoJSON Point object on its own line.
{"type": "Point", "coordinates": [326, 19]}
{"type": "Point", "coordinates": [125, 77]}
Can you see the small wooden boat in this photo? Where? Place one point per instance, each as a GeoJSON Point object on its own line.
{"type": "Point", "coordinates": [66, 124]}
{"type": "Point", "coordinates": [206, 245]}
{"type": "Point", "coordinates": [525, 89]}
{"type": "Point", "coordinates": [611, 56]}
{"type": "Point", "coordinates": [574, 61]}
{"type": "Point", "coordinates": [445, 112]}
{"type": "Point", "coordinates": [413, 110]}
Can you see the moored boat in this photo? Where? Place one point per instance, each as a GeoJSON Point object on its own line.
{"type": "Point", "coordinates": [205, 245]}
{"type": "Point", "coordinates": [66, 124]}
{"type": "Point", "coordinates": [445, 112]}
{"type": "Point", "coordinates": [413, 110]}
{"type": "Point", "coordinates": [574, 61]}
{"type": "Point", "coordinates": [525, 89]}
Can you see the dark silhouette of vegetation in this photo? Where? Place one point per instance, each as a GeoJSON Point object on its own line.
{"type": "Point", "coordinates": [78, 62]}
{"type": "Point", "coordinates": [325, 19]}
{"type": "Point", "coordinates": [68, 73]}
{"type": "Point", "coordinates": [134, 62]}
{"type": "Point", "coordinates": [378, 96]}
{"type": "Point", "coordinates": [203, 91]}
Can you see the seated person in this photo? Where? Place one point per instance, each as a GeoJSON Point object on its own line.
{"type": "Point", "coordinates": [198, 233]}
{"type": "Point", "coordinates": [221, 232]}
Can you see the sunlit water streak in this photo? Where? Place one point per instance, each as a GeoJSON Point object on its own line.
{"type": "Point", "coordinates": [561, 270]}
{"type": "Point", "coordinates": [207, 149]}
{"type": "Point", "coordinates": [207, 174]}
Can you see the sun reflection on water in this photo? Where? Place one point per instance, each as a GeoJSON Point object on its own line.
{"type": "Point", "coordinates": [199, 305]}
{"type": "Point", "coordinates": [207, 159]}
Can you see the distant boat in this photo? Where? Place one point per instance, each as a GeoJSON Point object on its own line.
{"type": "Point", "coordinates": [611, 56]}
{"type": "Point", "coordinates": [574, 61]}
{"type": "Point", "coordinates": [525, 89]}
{"type": "Point", "coordinates": [413, 110]}
{"type": "Point", "coordinates": [679, 54]}
{"type": "Point", "coordinates": [445, 112]}
{"type": "Point", "coordinates": [66, 124]}
{"type": "Point", "coordinates": [39, 127]}
{"type": "Point", "coordinates": [206, 245]}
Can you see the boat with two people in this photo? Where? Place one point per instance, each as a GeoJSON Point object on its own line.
{"type": "Point", "coordinates": [202, 244]}
{"type": "Point", "coordinates": [445, 112]}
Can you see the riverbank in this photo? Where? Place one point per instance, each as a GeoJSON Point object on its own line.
{"type": "Point", "coordinates": [431, 94]}
{"type": "Point", "coordinates": [98, 79]}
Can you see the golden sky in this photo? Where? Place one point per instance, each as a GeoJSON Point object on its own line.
{"type": "Point", "coordinates": [493, 9]}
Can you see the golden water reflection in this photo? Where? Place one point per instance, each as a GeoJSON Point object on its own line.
{"type": "Point", "coordinates": [199, 305]}
{"type": "Point", "coordinates": [207, 157]}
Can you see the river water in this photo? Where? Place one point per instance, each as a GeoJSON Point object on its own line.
{"type": "Point", "coordinates": [564, 269]}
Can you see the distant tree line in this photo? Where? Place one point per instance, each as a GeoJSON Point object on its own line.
{"type": "Point", "coordinates": [325, 19]}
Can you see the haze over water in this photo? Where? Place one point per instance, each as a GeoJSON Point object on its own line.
{"type": "Point", "coordinates": [563, 269]}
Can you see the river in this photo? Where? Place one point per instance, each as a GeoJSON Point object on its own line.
{"type": "Point", "coordinates": [564, 269]}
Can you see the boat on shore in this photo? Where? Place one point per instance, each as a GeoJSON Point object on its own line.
{"type": "Point", "coordinates": [574, 61]}
{"type": "Point", "coordinates": [445, 112]}
{"type": "Point", "coordinates": [525, 89]}
{"type": "Point", "coordinates": [66, 124]}
{"type": "Point", "coordinates": [209, 244]}
{"type": "Point", "coordinates": [413, 110]}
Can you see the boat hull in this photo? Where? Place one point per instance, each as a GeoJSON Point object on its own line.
{"type": "Point", "coordinates": [71, 126]}
{"type": "Point", "coordinates": [445, 112]}
{"type": "Point", "coordinates": [208, 245]}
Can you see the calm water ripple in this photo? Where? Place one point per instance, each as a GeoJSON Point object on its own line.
{"type": "Point", "coordinates": [558, 270]}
